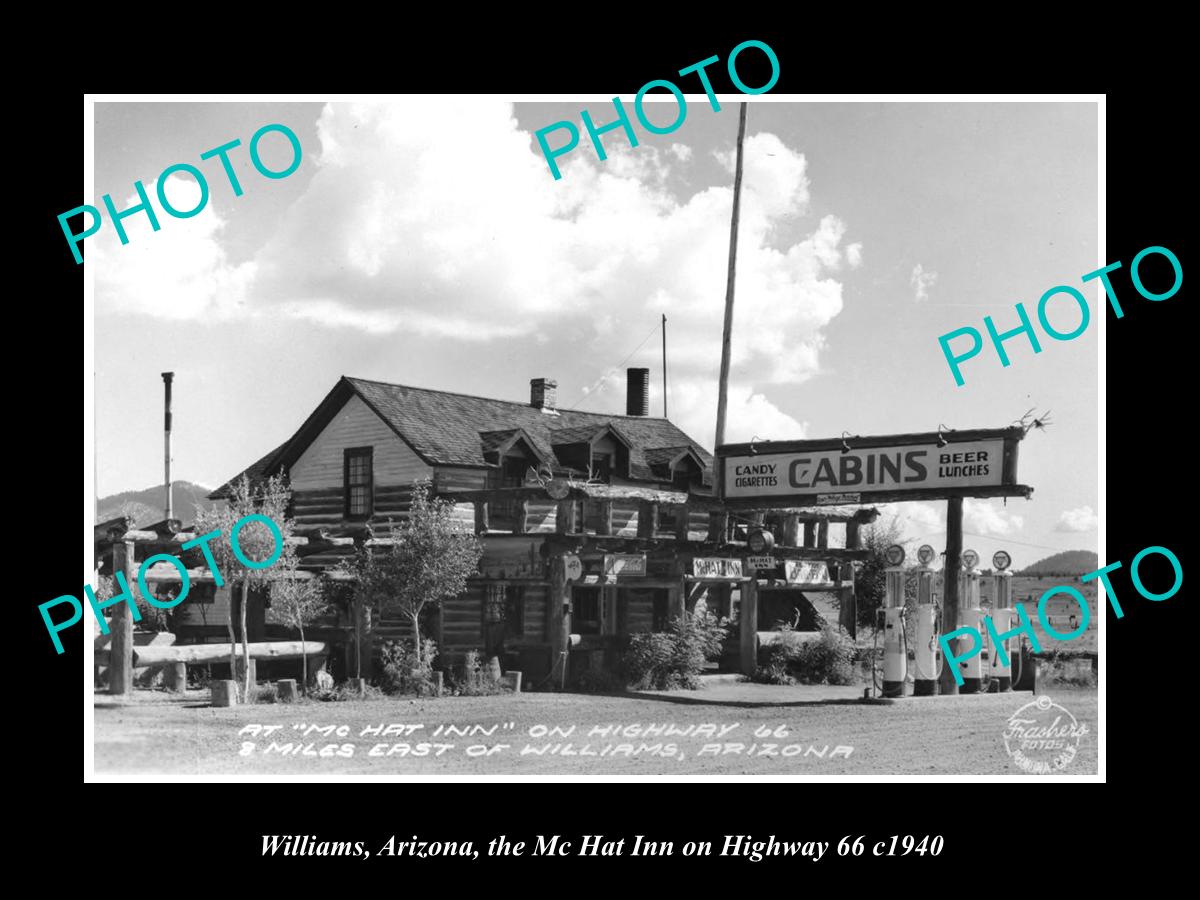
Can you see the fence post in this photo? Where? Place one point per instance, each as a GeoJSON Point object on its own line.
{"type": "Point", "coordinates": [120, 656]}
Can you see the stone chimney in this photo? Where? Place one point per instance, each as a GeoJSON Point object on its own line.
{"type": "Point", "coordinates": [543, 394]}
{"type": "Point", "coordinates": [637, 392]}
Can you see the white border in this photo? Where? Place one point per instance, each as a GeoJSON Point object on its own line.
{"type": "Point", "coordinates": [726, 101]}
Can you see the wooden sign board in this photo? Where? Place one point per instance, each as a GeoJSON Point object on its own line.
{"type": "Point", "coordinates": [799, 571]}
{"type": "Point", "coordinates": [761, 563]}
{"type": "Point", "coordinates": [710, 567]}
{"type": "Point", "coordinates": [624, 564]}
{"type": "Point", "coordinates": [873, 469]}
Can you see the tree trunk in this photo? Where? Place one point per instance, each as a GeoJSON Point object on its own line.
{"type": "Point", "coordinates": [303, 661]}
{"type": "Point", "coordinates": [358, 616]}
{"type": "Point", "coordinates": [245, 643]}
{"type": "Point", "coordinates": [416, 620]}
{"type": "Point", "coordinates": [232, 638]}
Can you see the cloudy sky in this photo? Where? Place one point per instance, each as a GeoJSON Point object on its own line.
{"type": "Point", "coordinates": [425, 242]}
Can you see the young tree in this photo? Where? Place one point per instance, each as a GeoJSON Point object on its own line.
{"type": "Point", "coordinates": [257, 543]}
{"type": "Point", "coordinates": [296, 602]}
{"type": "Point", "coordinates": [870, 581]}
{"type": "Point", "coordinates": [429, 558]}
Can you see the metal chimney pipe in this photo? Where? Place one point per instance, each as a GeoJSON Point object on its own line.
{"type": "Point", "coordinates": [167, 377]}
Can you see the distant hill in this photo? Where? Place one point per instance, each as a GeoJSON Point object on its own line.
{"type": "Point", "coordinates": [1069, 562]}
{"type": "Point", "coordinates": [146, 507]}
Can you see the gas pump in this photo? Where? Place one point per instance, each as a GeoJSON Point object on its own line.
{"type": "Point", "coordinates": [1002, 616]}
{"type": "Point", "coordinates": [895, 647]}
{"type": "Point", "coordinates": [970, 616]}
{"type": "Point", "coordinates": [925, 653]}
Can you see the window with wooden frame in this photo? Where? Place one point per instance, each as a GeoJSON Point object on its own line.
{"type": "Point", "coordinates": [514, 610]}
{"type": "Point", "coordinates": [505, 603]}
{"type": "Point", "coordinates": [359, 482]}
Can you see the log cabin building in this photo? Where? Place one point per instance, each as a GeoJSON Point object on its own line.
{"type": "Point", "coordinates": [595, 526]}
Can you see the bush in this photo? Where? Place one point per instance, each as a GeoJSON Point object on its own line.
{"type": "Point", "coordinates": [264, 693]}
{"type": "Point", "coordinates": [343, 692]}
{"type": "Point", "coordinates": [674, 659]}
{"type": "Point", "coordinates": [402, 674]}
{"type": "Point", "coordinates": [475, 678]}
{"type": "Point", "coordinates": [827, 660]}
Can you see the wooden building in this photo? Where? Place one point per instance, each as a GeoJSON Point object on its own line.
{"type": "Point", "coordinates": [594, 525]}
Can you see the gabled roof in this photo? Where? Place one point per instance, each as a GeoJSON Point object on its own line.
{"type": "Point", "coordinates": [662, 460]}
{"type": "Point", "coordinates": [586, 434]}
{"type": "Point", "coordinates": [448, 429]}
{"type": "Point", "coordinates": [501, 441]}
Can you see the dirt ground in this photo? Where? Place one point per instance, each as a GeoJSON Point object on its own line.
{"type": "Point", "coordinates": [737, 729]}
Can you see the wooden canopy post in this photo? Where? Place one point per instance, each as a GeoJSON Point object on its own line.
{"type": "Point", "coordinates": [791, 531]}
{"type": "Point", "coordinates": [748, 620]}
{"type": "Point", "coordinates": [605, 525]}
{"type": "Point", "coordinates": [954, 541]}
{"type": "Point", "coordinates": [718, 525]}
{"type": "Point", "coordinates": [810, 534]}
{"type": "Point", "coordinates": [647, 519]}
{"type": "Point", "coordinates": [120, 657]}
{"type": "Point", "coordinates": [560, 616]}
{"type": "Point", "coordinates": [853, 537]}
{"type": "Point", "coordinates": [564, 517]}
{"type": "Point", "coordinates": [823, 534]}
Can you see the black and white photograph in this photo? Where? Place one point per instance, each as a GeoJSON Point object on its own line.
{"type": "Point", "coordinates": [679, 435]}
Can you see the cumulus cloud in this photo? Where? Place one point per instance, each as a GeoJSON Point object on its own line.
{"type": "Point", "coordinates": [681, 152]}
{"type": "Point", "coordinates": [179, 272]}
{"type": "Point", "coordinates": [413, 222]}
{"type": "Point", "coordinates": [986, 517]}
{"type": "Point", "coordinates": [1081, 519]}
{"type": "Point", "coordinates": [916, 519]}
{"type": "Point", "coordinates": [921, 282]}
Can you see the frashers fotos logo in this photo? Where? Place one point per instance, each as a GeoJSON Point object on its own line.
{"type": "Point", "coordinates": [1043, 737]}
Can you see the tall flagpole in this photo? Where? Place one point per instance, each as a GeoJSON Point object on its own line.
{"type": "Point", "coordinates": [723, 384]}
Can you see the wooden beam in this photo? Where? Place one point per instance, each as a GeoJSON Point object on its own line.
{"type": "Point", "coordinates": [140, 536]}
{"type": "Point", "coordinates": [165, 654]}
{"type": "Point", "coordinates": [893, 496]}
{"type": "Point", "coordinates": [481, 517]}
{"type": "Point", "coordinates": [954, 522]}
{"type": "Point", "coordinates": [822, 534]}
{"type": "Point", "coordinates": [810, 534]}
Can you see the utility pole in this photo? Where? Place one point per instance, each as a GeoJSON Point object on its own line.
{"type": "Point", "coordinates": [664, 332]}
{"type": "Point", "coordinates": [723, 384]}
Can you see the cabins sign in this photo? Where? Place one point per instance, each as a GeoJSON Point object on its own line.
{"type": "Point", "coordinates": [867, 469]}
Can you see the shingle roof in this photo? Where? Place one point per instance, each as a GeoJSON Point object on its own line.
{"type": "Point", "coordinates": [449, 429]}
{"type": "Point", "coordinates": [445, 428]}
